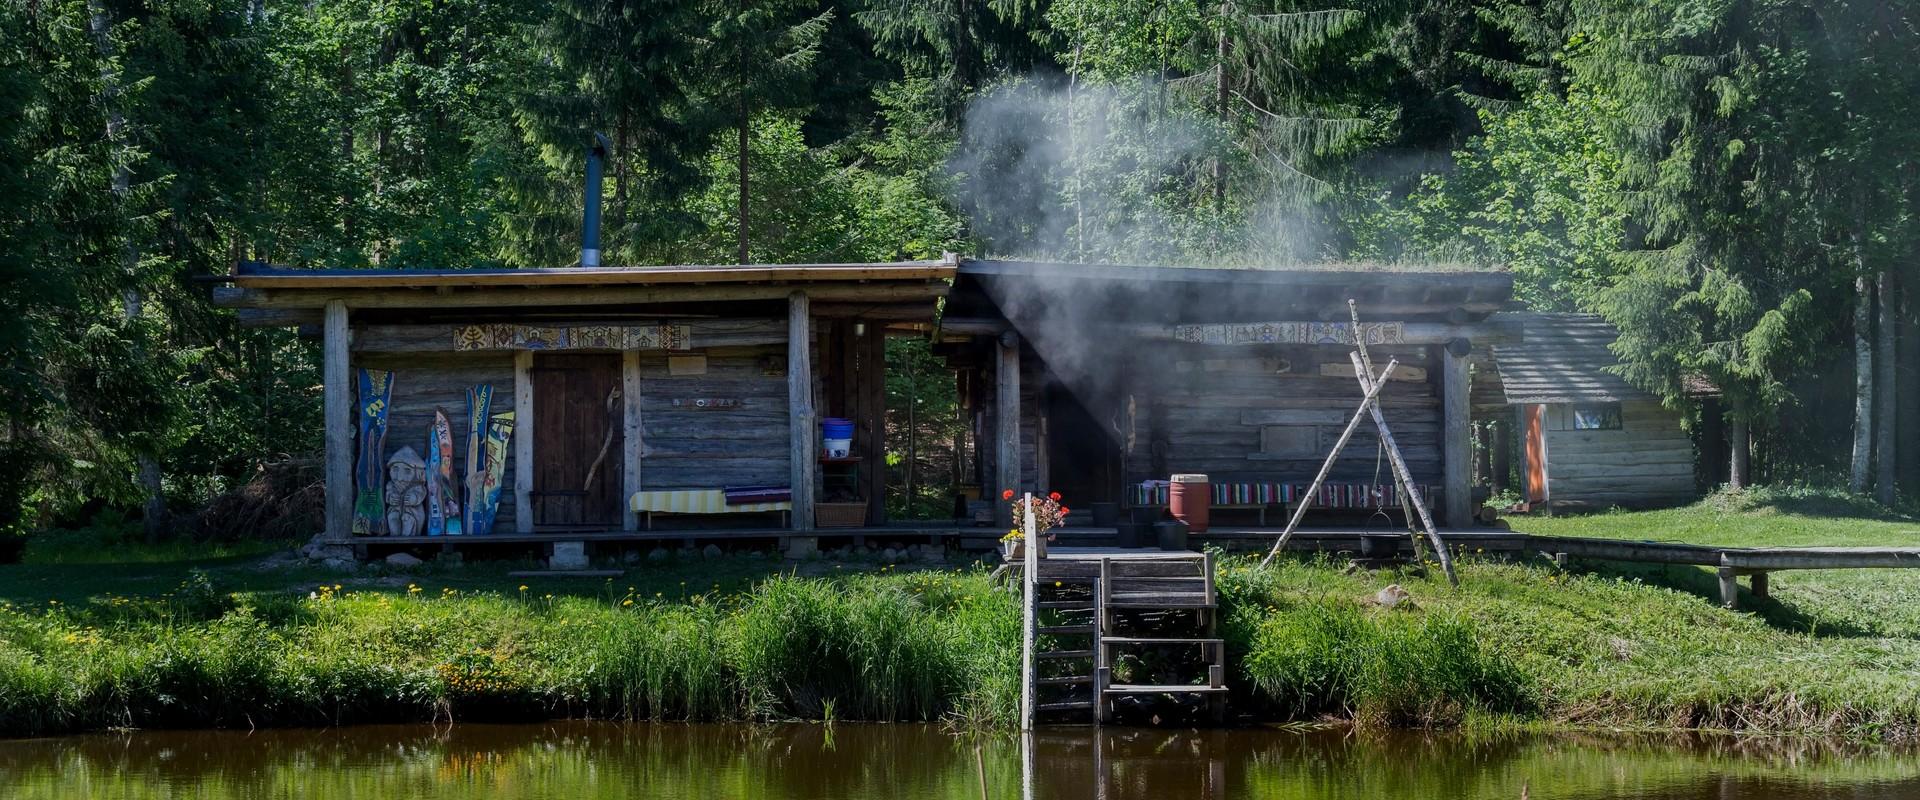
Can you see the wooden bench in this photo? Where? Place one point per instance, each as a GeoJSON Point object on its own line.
{"type": "Point", "coordinates": [698, 501]}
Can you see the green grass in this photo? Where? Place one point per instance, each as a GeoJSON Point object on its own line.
{"type": "Point", "coordinates": [230, 641]}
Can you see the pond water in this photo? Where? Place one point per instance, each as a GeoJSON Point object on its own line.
{"type": "Point", "coordinates": [583, 761]}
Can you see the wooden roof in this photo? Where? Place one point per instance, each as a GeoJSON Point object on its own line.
{"type": "Point", "coordinates": [1561, 358]}
{"type": "Point", "coordinates": [1161, 294]}
{"type": "Point", "coordinates": [267, 295]}
{"type": "Point", "coordinates": [253, 275]}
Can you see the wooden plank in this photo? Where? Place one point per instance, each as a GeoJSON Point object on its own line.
{"type": "Point", "coordinates": [632, 446]}
{"type": "Point", "coordinates": [1457, 415]}
{"type": "Point", "coordinates": [1006, 426]}
{"type": "Point", "coordinates": [338, 407]}
{"type": "Point", "coordinates": [547, 297]}
{"type": "Point", "coordinates": [1778, 558]}
{"type": "Point", "coordinates": [801, 426]}
{"type": "Point", "coordinates": [523, 443]}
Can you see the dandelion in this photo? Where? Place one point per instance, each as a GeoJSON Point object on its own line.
{"type": "Point", "coordinates": [523, 587]}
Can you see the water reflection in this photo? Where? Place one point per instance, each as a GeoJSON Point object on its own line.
{"type": "Point", "coordinates": [581, 761]}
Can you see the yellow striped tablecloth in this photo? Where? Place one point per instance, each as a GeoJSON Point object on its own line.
{"type": "Point", "coordinates": [697, 501]}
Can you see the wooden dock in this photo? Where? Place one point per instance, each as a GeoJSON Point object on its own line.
{"type": "Point", "coordinates": [1090, 609]}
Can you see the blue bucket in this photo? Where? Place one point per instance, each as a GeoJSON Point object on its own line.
{"type": "Point", "coordinates": [836, 428]}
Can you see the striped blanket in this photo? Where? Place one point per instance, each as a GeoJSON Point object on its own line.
{"type": "Point", "coordinates": [1331, 495]}
{"type": "Point", "coordinates": [697, 501]}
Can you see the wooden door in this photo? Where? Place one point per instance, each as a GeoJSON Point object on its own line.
{"type": "Point", "coordinates": [577, 434]}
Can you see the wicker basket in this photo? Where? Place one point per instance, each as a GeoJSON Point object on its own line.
{"type": "Point", "coordinates": [839, 515]}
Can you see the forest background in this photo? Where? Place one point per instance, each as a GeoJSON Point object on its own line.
{"type": "Point", "coordinates": [1731, 182]}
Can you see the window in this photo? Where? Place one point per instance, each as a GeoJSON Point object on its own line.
{"type": "Point", "coordinates": [1600, 417]}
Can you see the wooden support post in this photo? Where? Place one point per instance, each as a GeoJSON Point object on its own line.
{"type": "Point", "coordinates": [1006, 410]}
{"type": "Point", "coordinates": [1456, 426]}
{"type": "Point", "coordinates": [1102, 671]}
{"type": "Point", "coordinates": [522, 441]}
{"type": "Point", "coordinates": [802, 452]}
{"type": "Point", "coordinates": [1500, 453]}
{"type": "Point", "coordinates": [1729, 588]}
{"type": "Point", "coordinates": [1029, 585]}
{"type": "Point", "coordinates": [338, 407]}
{"type": "Point", "coordinates": [873, 388]}
{"type": "Point", "coordinates": [632, 443]}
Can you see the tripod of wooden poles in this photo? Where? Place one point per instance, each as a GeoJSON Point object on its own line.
{"type": "Point", "coordinates": [1411, 504]}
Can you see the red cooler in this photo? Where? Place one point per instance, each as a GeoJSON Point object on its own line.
{"type": "Point", "coordinates": [1189, 499]}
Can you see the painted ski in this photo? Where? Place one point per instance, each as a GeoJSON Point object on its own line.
{"type": "Point", "coordinates": [499, 433]}
{"type": "Point", "coordinates": [479, 406]}
{"type": "Point", "coordinates": [369, 508]}
{"type": "Point", "coordinates": [443, 496]}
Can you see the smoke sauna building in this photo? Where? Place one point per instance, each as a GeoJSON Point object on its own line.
{"type": "Point", "coordinates": [600, 404]}
{"type": "Point", "coordinates": [1122, 376]}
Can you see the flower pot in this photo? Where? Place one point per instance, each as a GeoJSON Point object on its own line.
{"type": "Point", "coordinates": [1131, 534]}
{"type": "Point", "coordinates": [1105, 514]}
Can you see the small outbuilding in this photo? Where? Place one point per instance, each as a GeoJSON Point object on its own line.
{"type": "Point", "coordinates": [1587, 437]}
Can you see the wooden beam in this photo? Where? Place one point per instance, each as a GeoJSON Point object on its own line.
{"type": "Point", "coordinates": [1456, 450]}
{"type": "Point", "coordinates": [701, 334]}
{"type": "Point", "coordinates": [539, 297]}
{"type": "Point", "coordinates": [523, 412]}
{"type": "Point", "coordinates": [278, 317]}
{"type": "Point", "coordinates": [338, 407]}
{"type": "Point", "coordinates": [1421, 333]}
{"type": "Point", "coordinates": [632, 447]}
{"type": "Point", "coordinates": [802, 451]}
{"type": "Point", "coordinates": [1006, 423]}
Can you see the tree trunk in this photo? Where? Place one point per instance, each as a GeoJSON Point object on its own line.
{"type": "Point", "coordinates": [1220, 108]}
{"type": "Point", "coordinates": [100, 25]}
{"type": "Point", "coordinates": [744, 252]}
{"type": "Point", "coordinates": [1906, 384]}
{"type": "Point", "coordinates": [1739, 443]}
{"type": "Point", "coordinates": [1884, 414]}
{"type": "Point", "coordinates": [1862, 382]}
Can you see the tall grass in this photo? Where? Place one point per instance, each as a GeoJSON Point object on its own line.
{"type": "Point", "coordinates": [1325, 654]}
{"type": "Point", "coordinates": [927, 646]}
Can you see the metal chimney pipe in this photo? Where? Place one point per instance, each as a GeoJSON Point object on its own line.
{"type": "Point", "coordinates": [590, 226]}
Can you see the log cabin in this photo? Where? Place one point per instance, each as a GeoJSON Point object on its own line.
{"type": "Point", "coordinates": [634, 392]}
{"type": "Point", "coordinates": [1586, 437]}
{"type": "Point", "coordinates": [684, 402]}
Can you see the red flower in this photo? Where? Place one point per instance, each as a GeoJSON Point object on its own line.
{"type": "Point", "coordinates": [1054, 496]}
{"type": "Point", "coordinates": [1007, 495]}
{"type": "Point", "coordinates": [1063, 511]}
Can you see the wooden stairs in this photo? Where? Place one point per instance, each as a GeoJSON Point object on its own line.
{"type": "Point", "coordinates": [1106, 627]}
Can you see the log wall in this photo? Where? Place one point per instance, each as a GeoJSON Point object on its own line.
{"type": "Point", "coordinates": [742, 442]}
{"type": "Point", "coordinates": [1271, 413]}
{"type": "Point", "coordinates": [725, 426]}
{"type": "Point", "coordinates": [425, 381]}
{"type": "Point", "coordinates": [1647, 462]}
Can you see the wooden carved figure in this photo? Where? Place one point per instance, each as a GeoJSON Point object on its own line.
{"type": "Point", "coordinates": [406, 493]}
